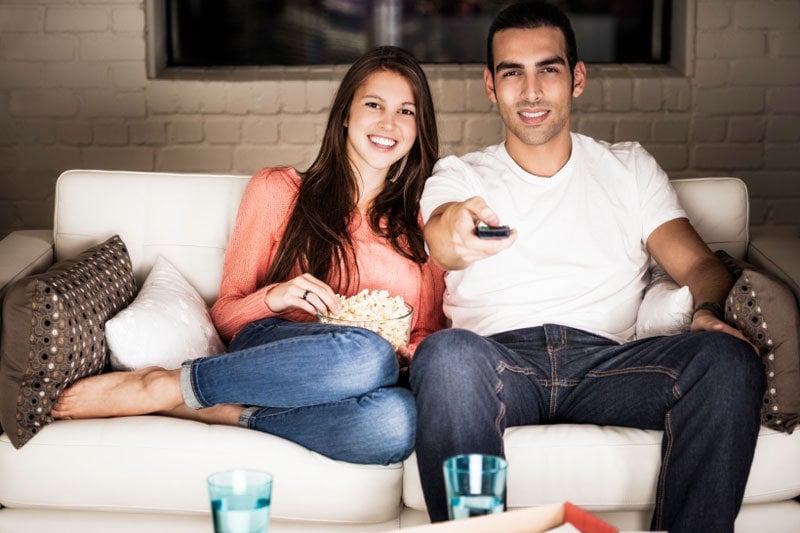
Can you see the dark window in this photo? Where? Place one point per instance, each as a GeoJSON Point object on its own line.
{"type": "Point", "coordinates": [320, 32]}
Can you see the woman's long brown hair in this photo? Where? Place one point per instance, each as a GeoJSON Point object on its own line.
{"type": "Point", "coordinates": [316, 238]}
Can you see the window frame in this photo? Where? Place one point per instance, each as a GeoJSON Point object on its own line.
{"type": "Point", "coordinates": [683, 25]}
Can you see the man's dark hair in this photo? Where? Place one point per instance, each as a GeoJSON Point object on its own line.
{"type": "Point", "coordinates": [531, 15]}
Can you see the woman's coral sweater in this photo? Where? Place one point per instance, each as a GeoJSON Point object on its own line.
{"type": "Point", "coordinates": [263, 212]}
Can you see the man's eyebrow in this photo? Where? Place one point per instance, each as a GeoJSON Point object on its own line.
{"type": "Point", "coordinates": [507, 65]}
{"type": "Point", "coordinates": [555, 60]}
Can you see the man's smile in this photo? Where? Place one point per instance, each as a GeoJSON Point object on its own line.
{"type": "Point", "coordinates": [533, 117]}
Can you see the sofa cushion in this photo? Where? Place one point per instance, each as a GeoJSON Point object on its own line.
{"type": "Point", "coordinates": [53, 332]}
{"type": "Point", "coordinates": [777, 250]}
{"type": "Point", "coordinates": [166, 324]}
{"type": "Point", "coordinates": [609, 467]}
{"type": "Point", "coordinates": [157, 464]}
{"type": "Point", "coordinates": [666, 307]}
{"type": "Point", "coordinates": [185, 217]}
{"type": "Point", "coordinates": [764, 308]}
{"type": "Point", "coordinates": [724, 222]}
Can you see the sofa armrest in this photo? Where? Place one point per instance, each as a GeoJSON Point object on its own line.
{"type": "Point", "coordinates": [777, 251]}
{"type": "Point", "coordinates": [23, 253]}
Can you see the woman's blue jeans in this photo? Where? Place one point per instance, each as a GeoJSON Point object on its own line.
{"type": "Point", "coordinates": [704, 390]}
{"type": "Point", "coordinates": [328, 388]}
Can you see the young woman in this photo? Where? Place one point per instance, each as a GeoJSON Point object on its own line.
{"type": "Point", "coordinates": [350, 222]}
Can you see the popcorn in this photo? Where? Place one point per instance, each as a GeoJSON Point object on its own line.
{"type": "Point", "coordinates": [375, 310]}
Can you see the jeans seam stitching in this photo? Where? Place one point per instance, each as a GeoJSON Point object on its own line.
{"type": "Point", "coordinates": [503, 366]}
{"type": "Point", "coordinates": [657, 517]}
{"type": "Point", "coordinates": [555, 382]}
{"type": "Point", "coordinates": [676, 391]}
{"type": "Point", "coordinates": [633, 370]}
{"type": "Point", "coordinates": [277, 416]}
{"type": "Point", "coordinates": [551, 354]}
{"type": "Point", "coordinates": [501, 413]}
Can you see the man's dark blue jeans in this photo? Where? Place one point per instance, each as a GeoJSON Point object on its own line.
{"type": "Point", "coordinates": [704, 390]}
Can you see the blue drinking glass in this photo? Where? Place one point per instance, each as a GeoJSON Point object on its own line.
{"type": "Point", "coordinates": [475, 485]}
{"type": "Point", "coordinates": [240, 501]}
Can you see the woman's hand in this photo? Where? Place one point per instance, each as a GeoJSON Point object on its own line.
{"type": "Point", "coordinates": [404, 356]}
{"type": "Point", "coordinates": [304, 292]}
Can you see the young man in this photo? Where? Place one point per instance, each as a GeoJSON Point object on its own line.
{"type": "Point", "coordinates": [543, 319]}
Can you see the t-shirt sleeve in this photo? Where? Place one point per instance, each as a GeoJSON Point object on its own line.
{"type": "Point", "coordinates": [657, 197]}
{"type": "Point", "coordinates": [453, 180]}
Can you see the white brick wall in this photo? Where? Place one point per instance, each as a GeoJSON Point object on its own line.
{"type": "Point", "coordinates": [74, 93]}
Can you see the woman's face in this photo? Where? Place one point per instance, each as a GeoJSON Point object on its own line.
{"type": "Point", "coordinates": [381, 124]}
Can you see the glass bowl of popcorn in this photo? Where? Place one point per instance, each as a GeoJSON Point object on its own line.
{"type": "Point", "coordinates": [375, 310]}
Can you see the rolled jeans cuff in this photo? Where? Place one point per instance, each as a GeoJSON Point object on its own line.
{"type": "Point", "coordinates": [187, 391]}
{"type": "Point", "coordinates": [248, 414]}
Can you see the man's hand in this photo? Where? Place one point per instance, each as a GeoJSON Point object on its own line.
{"type": "Point", "coordinates": [706, 321]}
{"type": "Point", "coordinates": [450, 234]}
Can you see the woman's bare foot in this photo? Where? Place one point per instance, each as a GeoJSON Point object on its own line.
{"type": "Point", "coordinates": [224, 413]}
{"type": "Point", "coordinates": [121, 394]}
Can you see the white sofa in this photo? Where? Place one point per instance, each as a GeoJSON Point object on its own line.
{"type": "Point", "coordinates": [147, 473]}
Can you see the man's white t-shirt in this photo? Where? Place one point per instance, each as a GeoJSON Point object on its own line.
{"type": "Point", "coordinates": [580, 259]}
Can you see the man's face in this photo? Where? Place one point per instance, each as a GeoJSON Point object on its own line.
{"type": "Point", "coordinates": [532, 85]}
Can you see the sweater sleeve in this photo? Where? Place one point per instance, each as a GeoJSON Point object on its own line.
{"type": "Point", "coordinates": [431, 317]}
{"type": "Point", "coordinates": [260, 222]}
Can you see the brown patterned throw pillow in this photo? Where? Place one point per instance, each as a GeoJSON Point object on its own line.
{"type": "Point", "coordinates": [53, 332]}
{"type": "Point", "coordinates": [765, 309]}
{"type": "Point", "coordinates": [766, 312]}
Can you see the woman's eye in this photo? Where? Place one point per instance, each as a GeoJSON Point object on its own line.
{"type": "Point", "coordinates": [373, 105]}
{"type": "Point", "coordinates": [409, 112]}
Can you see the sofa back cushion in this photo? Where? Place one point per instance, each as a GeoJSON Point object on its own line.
{"type": "Point", "coordinates": [719, 210]}
{"type": "Point", "coordinates": [187, 218]}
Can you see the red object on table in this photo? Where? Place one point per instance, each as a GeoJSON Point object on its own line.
{"type": "Point", "coordinates": [585, 521]}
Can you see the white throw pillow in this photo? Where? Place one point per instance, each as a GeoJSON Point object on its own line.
{"type": "Point", "coordinates": [166, 324]}
{"type": "Point", "coordinates": [666, 308]}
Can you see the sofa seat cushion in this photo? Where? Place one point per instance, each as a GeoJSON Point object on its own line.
{"type": "Point", "coordinates": [157, 464]}
{"type": "Point", "coordinates": [604, 468]}
{"type": "Point", "coordinates": [53, 520]}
